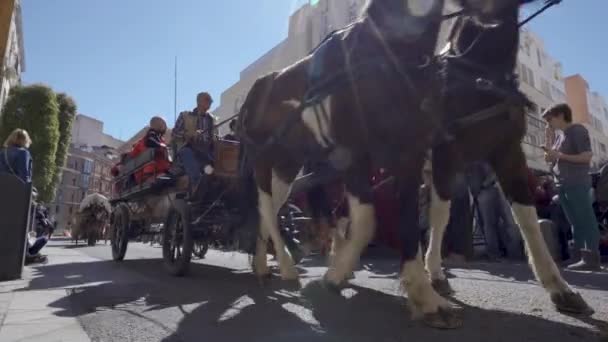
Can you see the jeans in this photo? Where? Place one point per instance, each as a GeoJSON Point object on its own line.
{"type": "Point", "coordinates": [576, 202]}
{"type": "Point", "coordinates": [191, 165]}
{"type": "Point", "coordinates": [494, 208]}
{"type": "Point", "coordinates": [458, 233]}
{"type": "Point", "coordinates": [36, 246]}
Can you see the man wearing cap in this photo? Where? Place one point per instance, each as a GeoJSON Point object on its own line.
{"type": "Point", "coordinates": [192, 139]}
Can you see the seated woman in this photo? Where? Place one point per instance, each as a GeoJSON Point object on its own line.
{"type": "Point", "coordinates": [152, 139]}
{"type": "Point", "coordinates": [15, 158]}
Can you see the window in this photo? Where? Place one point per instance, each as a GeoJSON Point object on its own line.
{"type": "Point", "coordinates": [534, 107]}
{"type": "Point", "coordinates": [545, 88]}
{"type": "Point", "coordinates": [603, 148]}
{"type": "Point", "coordinates": [527, 75]}
{"type": "Point", "coordinates": [531, 77]}
{"type": "Point", "coordinates": [352, 11]}
{"type": "Point", "coordinates": [606, 113]}
{"type": "Point", "coordinates": [539, 58]}
{"type": "Point", "coordinates": [85, 181]}
{"type": "Point", "coordinates": [87, 166]}
{"type": "Point", "coordinates": [57, 210]}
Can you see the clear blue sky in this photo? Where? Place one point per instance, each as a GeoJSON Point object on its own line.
{"type": "Point", "coordinates": [116, 57]}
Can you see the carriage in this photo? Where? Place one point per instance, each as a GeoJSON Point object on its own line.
{"type": "Point", "coordinates": [161, 205]}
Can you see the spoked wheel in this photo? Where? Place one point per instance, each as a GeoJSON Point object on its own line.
{"type": "Point", "coordinates": [177, 240]}
{"type": "Point", "coordinates": [120, 232]}
{"type": "Point", "coordinates": [290, 231]}
{"type": "Point", "coordinates": [92, 240]}
{"type": "Point", "coordinates": [200, 249]}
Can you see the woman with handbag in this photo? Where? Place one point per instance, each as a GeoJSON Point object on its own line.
{"type": "Point", "coordinates": [15, 158]}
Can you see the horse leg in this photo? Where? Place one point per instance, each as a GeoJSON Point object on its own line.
{"type": "Point", "coordinates": [439, 216]}
{"type": "Point", "coordinates": [268, 205]}
{"type": "Point", "coordinates": [362, 228]}
{"type": "Point", "coordinates": [512, 172]}
{"type": "Point", "coordinates": [338, 240]}
{"type": "Point", "coordinates": [423, 299]}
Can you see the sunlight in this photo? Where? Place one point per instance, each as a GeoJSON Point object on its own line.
{"type": "Point", "coordinates": [236, 307]}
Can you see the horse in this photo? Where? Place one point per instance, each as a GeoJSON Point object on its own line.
{"type": "Point", "coordinates": [484, 116]}
{"type": "Point", "coordinates": [358, 100]}
{"type": "Point", "coordinates": [92, 217]}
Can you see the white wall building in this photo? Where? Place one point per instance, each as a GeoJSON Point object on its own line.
{"type": "Point", "coordinates": [307, 27]}
{"type": "Point", "coordinates": [89, 131]}
{"type": "Point", "coordinates": [12, 63]}
{"type": "Point", "coordinates": [542, 81]}
{"type": "Point", "coordinates": [540, 75]}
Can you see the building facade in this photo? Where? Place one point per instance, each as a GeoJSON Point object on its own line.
{"type": "Point", "coordinates": [88, 131]}
{"type": "Point", "coordinates": [91, 155]}
{"type": "Point", "coordinates": [540, 76]}
{"type": "Point", "coordinates": [589, 109]}
{"type": "Point", "coordinates": [12, 50]}
{"type": "Point", "coordinates": [87, 171]}
{"type": "Point", "coordinates": [308, 26]}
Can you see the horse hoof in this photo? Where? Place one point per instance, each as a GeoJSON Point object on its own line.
{"type": "Point", "coordinates": [333, 287]}
{"type": "Point", "coordinates": [291, 275]}
{"type": "Point", "coordinates": [444, 318]}
{"type": "Point", "coordinates": [442, 287]}
{"type": "Point", "coordinates": [571, 302]}
{"type": "Point", "coordinates": [263, 277]}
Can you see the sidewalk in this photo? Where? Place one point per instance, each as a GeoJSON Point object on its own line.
{"type": "Point", "coordinates": [25, 315]}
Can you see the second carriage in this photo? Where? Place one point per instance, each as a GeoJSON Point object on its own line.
{"type": "Point", "coordinates": [215, 217]}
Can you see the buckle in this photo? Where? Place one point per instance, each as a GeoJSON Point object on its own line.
{"type": "Point", "coordinates": [484, 84]}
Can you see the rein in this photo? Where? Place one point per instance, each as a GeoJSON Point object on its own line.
{"type": "Point", "coordinates": [486, 84]}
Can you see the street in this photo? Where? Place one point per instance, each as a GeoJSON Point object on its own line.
{"type": "Point", "coordinates": [222, 301]}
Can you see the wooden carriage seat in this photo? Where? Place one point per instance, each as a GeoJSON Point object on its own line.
{"type": "Point", "coordinates": [226, 156]}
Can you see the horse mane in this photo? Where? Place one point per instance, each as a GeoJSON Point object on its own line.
{"type": "Point", "coordinates": [377, 9]}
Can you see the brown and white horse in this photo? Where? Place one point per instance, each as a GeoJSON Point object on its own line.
{"type": "Point", "coordinates": [374, 108]}
{"type": "Point", "coordinates": [486, 121]}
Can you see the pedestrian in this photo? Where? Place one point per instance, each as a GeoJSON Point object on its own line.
{"type": "Point", "coordinates": [232, 134]}
{"type": "Point", "coordinates": [193, 137]}
{"type": "Point", "coordinates": [570, 160]}
{"type": "Point", "coordinates": [458, 234]}
{"type": "Point", "coordinates": [499, 228]}
{"type": "Point", "coordinates": [16, 158]}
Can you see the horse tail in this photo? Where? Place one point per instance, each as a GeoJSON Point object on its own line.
{"type": "Point", "coordinates": [248, 227]}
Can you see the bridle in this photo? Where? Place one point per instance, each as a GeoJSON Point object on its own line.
{"type": "Point", "coordinates": [503, 85]}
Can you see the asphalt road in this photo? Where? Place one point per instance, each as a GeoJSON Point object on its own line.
{"type": "Point", "coordinates": [221, 300]}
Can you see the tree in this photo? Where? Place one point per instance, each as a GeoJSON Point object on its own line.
{"type": "Point", "coordinates": [67, 113]}
{"type": "Point", "coordinates": [35, 109]}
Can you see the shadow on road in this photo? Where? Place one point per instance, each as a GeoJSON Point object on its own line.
{"type": "Point", "coordinates": [221, 304]}
{"type": "Point", "coordinates": [523, 273]}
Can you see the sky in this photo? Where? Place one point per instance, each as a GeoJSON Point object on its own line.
{"type": "Point", "coordinates": [116, 57]}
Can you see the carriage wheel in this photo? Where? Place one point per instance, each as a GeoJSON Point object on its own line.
{"type": "Point", "coordinates": [290, 232]}
{"type": "Point", "coordinates": [120, 232]}
{"type": "Point", "coordinates": [92, 240]}
{"type": "Point", "coordinates": [200, 249]}
{"type": "Point", "coordinates": [177, 240]}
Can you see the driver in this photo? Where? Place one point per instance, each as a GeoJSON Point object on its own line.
{"type": "Point", "coordinates": [193, 137]}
